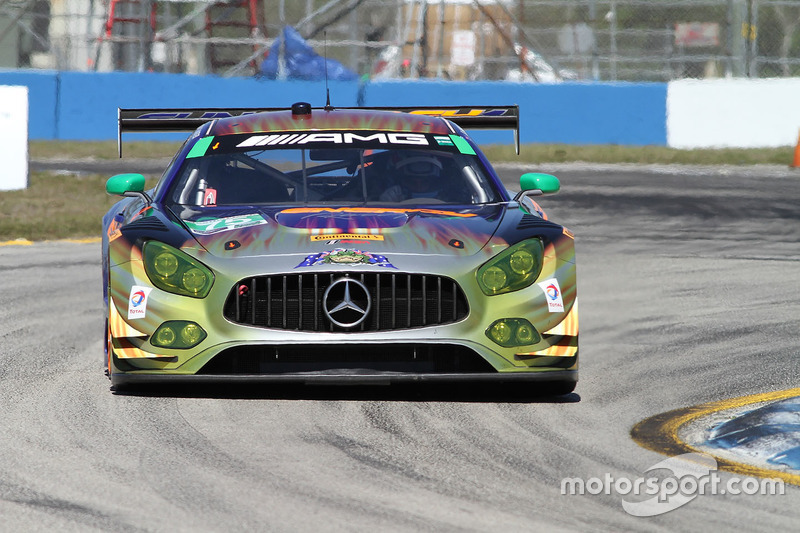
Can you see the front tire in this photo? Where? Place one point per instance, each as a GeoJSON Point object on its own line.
{"type": "Point", "coordinates": [107, 362]}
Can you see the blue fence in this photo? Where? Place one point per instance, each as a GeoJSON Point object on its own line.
{"type": "Point", "coordinates": [83, 106]}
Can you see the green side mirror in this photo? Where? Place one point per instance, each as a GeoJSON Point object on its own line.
{"type": "Point", "coordinates": [122, 183]}
{"type": "Point", "coordinates": [535, 181]}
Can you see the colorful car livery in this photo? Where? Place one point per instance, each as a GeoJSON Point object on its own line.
{"type": "Point", "coordinates": [335, 245]}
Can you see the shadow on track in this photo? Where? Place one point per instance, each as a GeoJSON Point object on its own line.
{"type": "Point", "coordinates": [468, 393]}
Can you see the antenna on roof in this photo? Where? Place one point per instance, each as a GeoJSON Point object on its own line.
{"type": "Point", "coordinates": [328, 106]}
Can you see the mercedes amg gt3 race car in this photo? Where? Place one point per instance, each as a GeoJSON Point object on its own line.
{"type": "Point", "coordinates": [355, 245]}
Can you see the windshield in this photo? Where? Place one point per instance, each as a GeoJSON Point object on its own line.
{"type": "Point", "coordinates": [325, 175]}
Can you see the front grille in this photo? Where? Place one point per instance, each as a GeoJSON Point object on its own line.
{"type": "Point", "coordinates": [294, 301]}
{"type": "Point", "coordinates": [341, 358]}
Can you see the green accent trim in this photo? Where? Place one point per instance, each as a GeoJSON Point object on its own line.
{"type": "Point", "coordinates": [546, 183]}
{"type": "Point", "coordinates": [200, 147]}
{"type": "Point", "coordinates": [207, 226]}
{"type": "Point", "coordinates": [122, 183]}
{"type": "Point", "coordinates": [462, 145]}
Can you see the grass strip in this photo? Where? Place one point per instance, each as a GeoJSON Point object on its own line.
{"type": "Point", "coordinates": [55, 206]}
{"type": "Point", "coordinates": [562, 153]}
{"type": "Point", "coordinates": [529, 153]}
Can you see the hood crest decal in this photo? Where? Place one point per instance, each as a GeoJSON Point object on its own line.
{"type": "Point", "coordinates": [345, 256]}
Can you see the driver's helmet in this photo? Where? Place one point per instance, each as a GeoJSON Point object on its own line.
{"type": "Point", "coordinates": [419, 172]}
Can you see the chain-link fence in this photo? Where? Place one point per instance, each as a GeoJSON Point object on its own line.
{"type": "Point", "coordinates": [668, 39]}
{"type": "Point", "coordinates": [536, 40]}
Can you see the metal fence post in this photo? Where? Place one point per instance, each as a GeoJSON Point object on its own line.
{"type": "Point", "coordinates": [752, 36]}
{"type": "Point", "coordinates": [738, 46]}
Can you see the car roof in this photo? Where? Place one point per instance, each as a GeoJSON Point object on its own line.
{"type": "Point", "coordinates": [333, 119]}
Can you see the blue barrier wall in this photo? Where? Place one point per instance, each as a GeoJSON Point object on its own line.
{"type": "Point", "coordinates": [83, 106]}
{"type": "Point", "coordinates": [569, 113]}
{"type": "Point", "coordinates": [89, 102]}
{"type": "Point", "coordinates": [42, 100]}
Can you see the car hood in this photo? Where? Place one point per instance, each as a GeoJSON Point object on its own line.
{"type": "Point", "coordinates": [254, 231]}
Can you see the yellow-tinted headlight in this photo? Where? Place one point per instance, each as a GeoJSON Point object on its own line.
{"type": "Point", "coordinates": [521, 262]}
{"type": "Point", "coordinates": [512, 332]}
{"type": "Point", "coordinates": [501, 332]}
{"type": "Point", "coordinates": [165, 264]}
{"type": "Point", "coordinates": [178, 334]}
{"type": "Point", "coordinates": [512, 269]}
{"type": "Point", "coordinates": [525, 334]}
{"type": "Point", "coordinates": [165, 336]}
{"type": "Point", "coordinates": [175, 271]}
{"type": "Point", "coordinates": [194, 280]}
{"type": "Point", "coordinates": [191, 334]}
{"type": "Point", "coordinates": [494, 278]}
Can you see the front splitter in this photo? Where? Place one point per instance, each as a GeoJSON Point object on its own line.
{"type": "Point", "coordinates": [354, 377]}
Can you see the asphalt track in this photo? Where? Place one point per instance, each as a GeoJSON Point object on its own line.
{"type": "Point", "coordinates": [688, 282]}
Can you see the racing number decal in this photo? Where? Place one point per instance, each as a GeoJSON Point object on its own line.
{"type": "Point", "coordinates": [216, 225]}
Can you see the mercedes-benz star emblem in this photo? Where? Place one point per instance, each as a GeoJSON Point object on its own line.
{"type": "Point", "coordinates": [346, 302]}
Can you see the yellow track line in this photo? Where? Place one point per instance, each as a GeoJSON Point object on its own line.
{"type": "Point", "coordinates": [82, 241]}
{"type": "Point", "coordinates": [26, 242]}
{"type": "Point", "coordinates": [659, 433]}
{"type": "Point", "coordinates": [17, 242]}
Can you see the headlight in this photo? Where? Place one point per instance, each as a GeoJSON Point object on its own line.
{"type": "Point", "coordinates": [178, 334]}
{"type": "Point", "coordinates": [165, 264]}
{"type": "Point", "coordinates": [512, 332]}
{"type": "Point", "coordinates": [173, 271]}
{"type": "Point", "coordinates": [513, 269]}
{"type": "Point", "coordinates": [494, 278]}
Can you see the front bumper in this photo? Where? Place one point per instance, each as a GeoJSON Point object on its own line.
{"type": "Point", "coordinates": [134, 356]}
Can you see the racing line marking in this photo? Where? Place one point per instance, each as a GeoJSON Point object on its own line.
{"type": "Point", "coordinates": [659, 433]}
{"type": "Point", "coordinates": [87, 240]}
{"type": "Point", "coordinates": [26, 242]}
{"type": "Point", "coordinates": [17, 242]}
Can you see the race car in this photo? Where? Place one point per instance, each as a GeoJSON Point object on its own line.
{"type": "Point", "coordinates": [335, 245]}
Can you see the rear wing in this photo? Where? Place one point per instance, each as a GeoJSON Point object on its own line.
{"type": "Point", "coordinates": [166, 120]}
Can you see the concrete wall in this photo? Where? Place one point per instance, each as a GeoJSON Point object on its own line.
{"type": "Point", "coordinates": [14, 137]}
{"type": "Point", "coordinates": [685, 114]}
{"type": "Point", "coordinates": [733, 113]}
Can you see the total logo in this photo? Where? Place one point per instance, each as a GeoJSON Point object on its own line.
{"type": "Point", "coordinates": [551, 289]}
{"type": "Point", "coordinates": [137, 303]}
{"type": "Point", "coordinates": [137, 298]}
